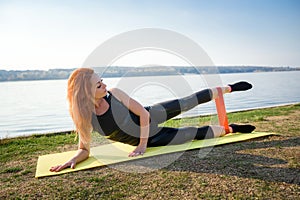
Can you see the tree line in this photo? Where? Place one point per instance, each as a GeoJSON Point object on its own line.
{"type": "Point", "coordinates": [55, 74]}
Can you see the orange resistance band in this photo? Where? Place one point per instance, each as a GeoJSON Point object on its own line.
{"type": "Point", "coordinates": [220, 105]}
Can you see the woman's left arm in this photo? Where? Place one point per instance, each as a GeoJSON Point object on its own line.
{"type": "Point", "coordinates": [144, 115]}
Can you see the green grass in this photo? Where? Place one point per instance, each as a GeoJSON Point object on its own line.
{"type": "Point", "coordinates": [264, 168]}
{"type": "Point", "coordinates": [26, 147]}
{"type": "Point", "coordinates": [236, 117]}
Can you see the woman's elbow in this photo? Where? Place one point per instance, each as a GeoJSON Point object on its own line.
{"type": "Point", "coordinates": [145, 114]}
{"type": "Point", "coordinates": [145, 117]}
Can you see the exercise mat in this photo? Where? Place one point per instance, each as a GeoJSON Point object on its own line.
{"type": "Point", "coordinates": [117, 152]}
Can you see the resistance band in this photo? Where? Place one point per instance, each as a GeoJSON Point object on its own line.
{"type": "Point", "coordinates": [221, 110]}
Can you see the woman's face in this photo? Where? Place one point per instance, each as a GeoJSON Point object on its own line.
{"type": "Point", "coordinates": [98, 87]}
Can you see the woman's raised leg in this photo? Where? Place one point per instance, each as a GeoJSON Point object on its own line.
{"type": "Point", "coordinates": [164, 111]}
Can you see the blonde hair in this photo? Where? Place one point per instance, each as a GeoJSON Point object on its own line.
{"type": "Point", "coordinates": [81, 104]}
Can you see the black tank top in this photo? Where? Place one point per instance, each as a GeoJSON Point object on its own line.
{"type": "Point", "coordinates": [118, 122]}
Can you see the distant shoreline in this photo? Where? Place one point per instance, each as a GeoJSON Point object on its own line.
{"type": "Point", "coordinates": [115, 71]}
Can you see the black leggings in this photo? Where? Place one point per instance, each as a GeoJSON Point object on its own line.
{"type": "Point", "coordinates": [161, 112]}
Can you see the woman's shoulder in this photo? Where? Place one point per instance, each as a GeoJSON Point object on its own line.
{"type": "Point", "coordinates": [115, 90]}
{"type": "Point", "coordinates": [119, 94]}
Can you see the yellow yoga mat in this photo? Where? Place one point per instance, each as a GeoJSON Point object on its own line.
{"type": "Point", "coordinates": [118, 152]}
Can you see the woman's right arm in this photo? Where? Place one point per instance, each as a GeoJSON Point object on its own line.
{"type": "Point", "coordinates": [81, 155]}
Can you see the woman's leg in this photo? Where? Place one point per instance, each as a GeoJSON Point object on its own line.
{"type": "Point", "coordinates": [168, 136]}
{"type": "Point", "coordinates": [171, 136]}
{"type": "Point", "coordinates": [164, 111]}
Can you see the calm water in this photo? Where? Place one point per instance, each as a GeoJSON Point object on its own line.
{"type": "Point", "coordinates": [29, 107]}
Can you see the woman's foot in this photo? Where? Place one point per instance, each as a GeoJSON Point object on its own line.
{"type": "Point", "coordinates": [242, 128]}
{"type": "Point", "coordinates": [240, 86]}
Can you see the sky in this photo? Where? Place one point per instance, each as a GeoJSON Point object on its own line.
{"type": "Point", "coordinates": [62, 34]}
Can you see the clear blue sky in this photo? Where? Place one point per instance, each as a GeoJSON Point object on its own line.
{"type": "Point", "coordinates": [61, 34]}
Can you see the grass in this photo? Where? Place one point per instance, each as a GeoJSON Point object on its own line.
{"type": "Point", "coordinates": [264, 168]}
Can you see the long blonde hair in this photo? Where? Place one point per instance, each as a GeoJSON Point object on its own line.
{"type": "Point", "coordinates": [80, 102]}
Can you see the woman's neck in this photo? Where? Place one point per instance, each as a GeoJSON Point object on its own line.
{"type": "Point", "coordinates": [101, 106]}
{"type": "Point", "coordinates": [99, 102]}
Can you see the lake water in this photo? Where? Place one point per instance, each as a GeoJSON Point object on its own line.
{"type": "Point", "coordinates": [30, 107]}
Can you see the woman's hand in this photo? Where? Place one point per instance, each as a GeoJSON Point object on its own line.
{"type": "Point", "coordinates": [139, 150]}
{"type": "Point", "coordinates": [81, 155]}
{"type": "Point", "coordinates": [70, 163]}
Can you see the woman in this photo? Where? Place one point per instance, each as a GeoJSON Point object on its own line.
{"type": "Point", "coordinates": [116, 115]}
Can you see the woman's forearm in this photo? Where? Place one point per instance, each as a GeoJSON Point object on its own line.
{"type": "Point", "coordinates": [144, 123]}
